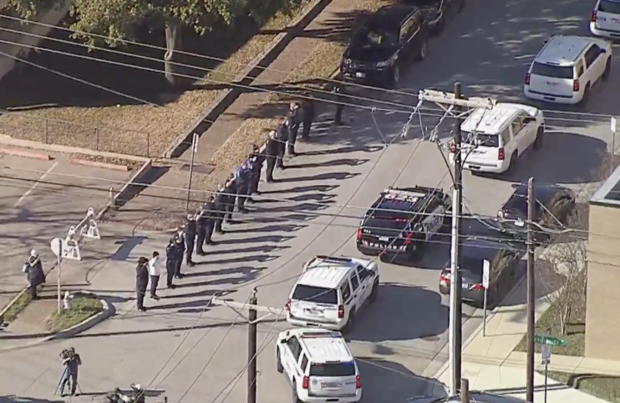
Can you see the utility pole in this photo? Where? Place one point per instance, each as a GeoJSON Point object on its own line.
{"type": "Point", "coordinates": [191, 170]}
{"type": "Point", "coordinates": [456, 104]}
{"type": "Point", "coordinates": [531, 204]}
{"type": "Point", "coordinates": [252, 336]}
{"type": "Point", "coordinates": [465, 390]}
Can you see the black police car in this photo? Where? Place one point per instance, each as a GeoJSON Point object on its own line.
{"type": "Point", "coordinates": [385, 44]}
{"type": "Point", "coordinates": [503, 255]}
{"type": "Point", "coordinates": [401, 221]}
{"type": "Point", "coordinates": [554, 206]}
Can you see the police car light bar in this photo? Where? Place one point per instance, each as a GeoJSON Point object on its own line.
{"type": "Point", "coordinates": [448, 98]}
{"type": "Point", "coordinates": [334, 259]}
{"type": "Point", "coordinates": [318, 335]}
{"type": "Point", "coordinates": [404, 193]}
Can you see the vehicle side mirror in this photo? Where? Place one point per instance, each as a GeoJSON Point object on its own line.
{"type": "Point", "coordinates": [283, 341]}
{"type": "Point", "coordinates": [529, 120]}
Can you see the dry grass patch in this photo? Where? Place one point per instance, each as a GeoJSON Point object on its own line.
{"type": "Point", "coordinates": [140, 129]}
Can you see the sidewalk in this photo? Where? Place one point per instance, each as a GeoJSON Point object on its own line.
{"type": "Point", "coordinates": [491, 365]}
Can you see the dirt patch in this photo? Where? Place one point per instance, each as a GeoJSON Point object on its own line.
{"type": "Point", "coordinates": [115, 125]}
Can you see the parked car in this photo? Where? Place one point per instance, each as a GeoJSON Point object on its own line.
{"type": "Point", "coordinates": [385, 44]}
{"type": "Point", "coordinates": [605, 20]}
{"type": "Point", "coordinates": [567, 68]}
{"type": "Point", "coordinates": [494, 140]}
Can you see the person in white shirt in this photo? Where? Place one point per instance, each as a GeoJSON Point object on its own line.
{"type": "Point", "coordinates": [154, 273]}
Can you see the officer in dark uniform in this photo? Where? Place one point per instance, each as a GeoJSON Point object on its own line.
{"type": "Point", "coordinates": [258, 159]}
{"type": "Point", "coordinates": [271, 155]}
{"type": "Point", "coordinates": [221, 205]}
{"type": "Point", "coordinates": [243, 179]}
{"type": "Point", "coordinates": [282, 135]}
{"type": "Point", "coordinates": [294, 119]}
{"type": "Point", "coordinates": [189, 235]}
{"type": "Point", "coordinates": [340, 92]}
{"type": "Point", "coordinates": [308, 111]}
{"type": "Point", "coordinates": [179, 250]}
{"type": "Point", "coordinates": [171, 262]}
{"type": "Point", "coordinates": [142, 281]}
{"type": "Point", "coordinates": [230, 190]}
{"type": "Point", "coordinates": [201, 232]}
{"type": "Point", "coordinates": [211, 213]}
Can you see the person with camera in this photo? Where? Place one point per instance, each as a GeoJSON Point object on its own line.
{"type": "Point", "coordinates": [71, 361]}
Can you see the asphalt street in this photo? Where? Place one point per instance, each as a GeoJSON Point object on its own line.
{"type": "Point", "coordinates": [40, 200]}
{"type": "Point", "coordinates": [315, 209]}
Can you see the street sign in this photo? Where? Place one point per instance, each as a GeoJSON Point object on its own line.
{"type": "Point", "coordinates": [549, 341]}
{"type": "Point", "coordinates": [57, 245]}
{"type": "Point", "coordinates": [545, 349]}
{"type": "Point", "coordinates": [485, 274]}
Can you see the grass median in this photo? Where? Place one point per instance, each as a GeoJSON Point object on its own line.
{"type": "Point", "coordinates": [16, 308]}
{"type": "Point", "coordinates": [601, 386]}
{"type": "Point", "coordinates": [82, 308]}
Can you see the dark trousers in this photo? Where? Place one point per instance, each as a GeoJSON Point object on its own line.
{"type": "Point", "coordinates": [217, 222]}
{"type": "Point", "coordinates": [71, 378]}
{"type": "Point", "coordinates": [209, 230]}
{"type": "Point", "coordinates": [230, 207]}
{"type": "Point", "coordinates": [338, 117]}
{"type": "Point", "coordinates": [256, 180]}
{"type": "Point", "coordinates": [171, 269]}
{"type": "Point", "coordinates": [271, 164]}
{"type": "Point", "coordinates": [292, 139]}
{"type": "Point", "coordinates": [189, 251]}
{"type": "Point", "coordinates": [200, 238]}
{"type": "Point", "coordinates": [242, 197]}
{"type": "Point", "coordinates": [154, 284]}
{"type": "Point", "coordinates": [279, 158]}
{"type": "Point", "coordinates": [140, 293]}
{"type": "Point", "coordinates": [177, 267]}
{"type": "Point", "coordinates": [32, 289]}
{"type": "Point", "coordinates": [307, 124]}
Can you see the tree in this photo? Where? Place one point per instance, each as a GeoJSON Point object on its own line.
{"type": "Point", "coordinates": [117, 20]}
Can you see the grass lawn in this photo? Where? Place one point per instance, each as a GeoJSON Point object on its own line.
{"type": "Point", "coordinates": [82, 308]}
{"type": "Point", "coordinates": [18, 306]}
{"type": "Point", "coordinates": [131, 128]}
{"type": "Point", "coordinates": [601, 386]}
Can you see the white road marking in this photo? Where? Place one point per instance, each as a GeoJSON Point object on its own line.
{"type": "Point", "coordinates": [34, 185]}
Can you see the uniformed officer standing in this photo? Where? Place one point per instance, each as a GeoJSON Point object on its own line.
{"type": "Point", "coordinates": [282, 135]}
{"type": "Point", "coordinates": [271, 155]}
{"type": "Point", "coordinates": [211, 213]}
{"type": "Point", "coordinates": [340, 92]}
{"type": "Point", "coordinates": [243, 179]}
{"type": "Point", "coordinates": [189, 235]}
{"type": "Point", "coordinates": [258, 158]}
{"type": "Point", "coordinates": [294, 119]}
{"type": "Point", "coordinates": [230, 190]}
{"type": "Point", "coordinates": [307, 108]}
{"type": "Point", "coordinates": [221, 206]}
{"type": "Point", "coordinates": [201, 231]}
{"type": "Point", "coordinates": [179, 250]}
{"type": "Point", "coordinates": [171, 262]}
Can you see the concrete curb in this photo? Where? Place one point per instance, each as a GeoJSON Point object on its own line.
{"type": "Point", "coordinates": [107, 312]}
{"type": "Point", "coordinates": [128, 188]}
{"type": "Point", "coordinates": [220, 104]}
{"type": "Point", "coordinates": [25, 154]}
{"type": "Point", "coordinates": [97, 164]}
{"type": "Point", "coordinates": [10, 141]}
{"type": "Point", "coordinates": [12, 302]}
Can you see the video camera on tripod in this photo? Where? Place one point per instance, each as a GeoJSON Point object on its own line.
{"type": "Point", "coordinates": [136, 396]}
{"type": "Point", "coordinates": [67, 354]}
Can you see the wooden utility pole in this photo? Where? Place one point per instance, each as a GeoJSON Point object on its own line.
{"type": "Point", "coordinates": [252, 341]}
{"type": "Point", "coordinates": [531, 205]}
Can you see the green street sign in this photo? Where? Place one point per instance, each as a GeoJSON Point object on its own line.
{"type": "Point", "coordinates": [550, 341]}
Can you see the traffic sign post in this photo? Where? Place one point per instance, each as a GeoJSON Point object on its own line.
{"type": "Point", "coordinates": [545, 349]}
{"type": "Point", "coordinates": [486, 267]}
{"type": "Point", "coordinates": [57, 246]}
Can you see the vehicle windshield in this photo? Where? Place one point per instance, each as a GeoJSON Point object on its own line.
{"type": "Point", "coordinates": [607, 6]}
{"type": "Point", "coordinates": [481, 139]}
{"type": "Point", "coordinates": [315, 294]}
{"type": "Point", "coordinates": [376, 38]}
{"type": "Point", "coordinates": [333, 369]}
{"type": "Point", "coordinates": [546, 70]}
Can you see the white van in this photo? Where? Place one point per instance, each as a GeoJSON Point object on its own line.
{"type": "Point", "coordinates": [493, 140]}
{"type": "Point", "coordinates": [331, 291]}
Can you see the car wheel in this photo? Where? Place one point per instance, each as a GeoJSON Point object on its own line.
{"type": "Point", "coordinates": [374, 293]}
{"type": "Point", "coordinates": [586, 94]}
{"type": "Point", "coordinates": [539, 138]}
{"type": "Point", "coordinates": [607, 71]}
{"type": "Point", "coordinates": [279, 366]}
{"type": "Point", "coordinates": [295, 396]}
{"type": "Point", "coordinates": [351, 322]}
{"type": "Point", "coordinates": [423, 50]}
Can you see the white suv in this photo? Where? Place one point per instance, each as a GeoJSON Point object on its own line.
{"type": "Point", "coordinates": [493, 140]}
{"type": "Point", "coordinates": [319, 365]}
{"type": "Point", "coordinates": [330, 292]}
{"type": "Point", "coordinates": [566, 69]}
{"type": "Point", "coordinates": [605, 19]}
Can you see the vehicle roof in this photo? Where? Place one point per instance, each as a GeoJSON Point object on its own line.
{"type": "Point", "coordinates": [390, 17]}
{"type": "Point", "coordinates": [328, 271]}
{"type": "Point", "coordinates": [409, 199]}
{"type": "Point", "coordinates": [495, 120]}
{"type": "Point", "coordinates": [563, 50]}
{"type": "Point", "coordinates": [481, 247]}
{"type": "Point", "coordinates": [323, 346]}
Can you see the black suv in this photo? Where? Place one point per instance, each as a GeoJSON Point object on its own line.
{"type": "Point", "coordinates": [401, 221]}
{"type": "Point", "coordinates": [384, 45]}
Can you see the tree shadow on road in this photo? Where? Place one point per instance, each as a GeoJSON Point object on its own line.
{"type": "Point", "coordinates": [394, 315]}
{"type": "Point", "coordinates": [389, 381]}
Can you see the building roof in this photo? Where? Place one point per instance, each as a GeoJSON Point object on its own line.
{"type": "Point", "coordinates": [609, 192]}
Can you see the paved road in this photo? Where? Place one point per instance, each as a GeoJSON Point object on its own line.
{"type": "Point", "coordinates": [315, 210]}
{"type": "Point", "coordinates": [39, 200]}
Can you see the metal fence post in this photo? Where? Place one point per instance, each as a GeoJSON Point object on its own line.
{"type": "Point", "coordinates": [97, 138]}
{"type": "Point", "coordinates": [148, 145]}
{"type": "Point", "coordinates": [45, 128]}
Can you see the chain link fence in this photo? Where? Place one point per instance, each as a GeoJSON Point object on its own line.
{"type": "Point", "coordinates": [74, 134]}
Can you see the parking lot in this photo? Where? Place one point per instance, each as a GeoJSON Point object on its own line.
{"type": "Point", "coordinates": [40, 200]}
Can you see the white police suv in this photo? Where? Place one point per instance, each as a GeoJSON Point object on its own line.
{"type": "Point", "coordinates": [319, 365]}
